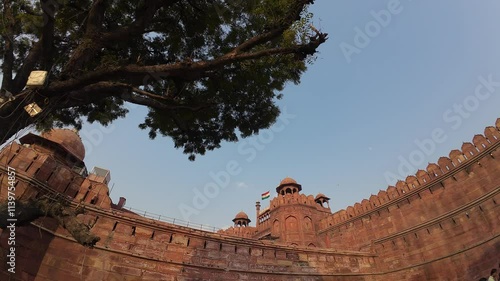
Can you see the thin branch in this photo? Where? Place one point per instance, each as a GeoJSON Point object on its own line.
{"type": "Point", "coordinates": [95, 38]}
{"type": "Point", "coordinates": [28, 10]}
{"type": "Point", "coordinates": [144, 17]}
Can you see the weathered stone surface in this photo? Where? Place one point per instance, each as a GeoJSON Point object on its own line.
{"type": "Point", "coordinates": [439, 225]}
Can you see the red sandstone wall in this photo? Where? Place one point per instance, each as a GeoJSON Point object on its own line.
{"type": "Point", "coordinates": [445, 218]}
{"type": "Point", "coordinates": [141, 249]}
{"type": "Point", "coordinates": [440, 225]}
{"type": "Point", "coordinates": [40, 167]}
{"type": "Point", "coordinates": [293, 220]}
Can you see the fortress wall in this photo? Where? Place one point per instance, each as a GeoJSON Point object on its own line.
{"type": "Point", "coordinates": [452, 183]}
{"type": "Point", "coordinates": [140, 249]}
{"type": "Point", "coordinates": [467, 241]}
{"type": "Point", "coordinates": [298, 198]}
{"type": "Point", "coordinates": [448, 213]}
{"type": "Point", "coordinates": [443, 218]}
{"type": "Point", "coordinates": [39, 166]}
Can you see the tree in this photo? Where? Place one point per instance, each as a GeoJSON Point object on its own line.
{"type": "Point", "coordinates": [208, 70]}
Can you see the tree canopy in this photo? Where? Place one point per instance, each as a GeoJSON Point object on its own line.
{"type": "Point", "coordinates": [208, 70]}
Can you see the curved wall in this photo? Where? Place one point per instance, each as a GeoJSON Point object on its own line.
{"type": "Point", "coordinates": [441, 224]}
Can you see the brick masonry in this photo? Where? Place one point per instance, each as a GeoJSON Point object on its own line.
{"type": "Point", "coordinates": [441, 224]}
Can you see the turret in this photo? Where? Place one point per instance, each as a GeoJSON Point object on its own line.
{"type": "Point", "coordinates": [288, 186]}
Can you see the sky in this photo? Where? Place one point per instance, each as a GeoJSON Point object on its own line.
{"type": "Point", "coordinates": [397, 85]}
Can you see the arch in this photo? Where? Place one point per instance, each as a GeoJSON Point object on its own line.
{"type": "Point", "coordinates": [422, 176]}
{"type": "Point", "coordinates": [288, 191]}
{"type": "Point", "coordinates": [374, 200]}
{"type": "Point", "coordinates": [366, 205]}
{"type": "Point", "coordinates": [343, 214]}
{"type": "Point", "coordinates": [434, 170]}
{"type": "Point", "coordinates": [480, 142]}
{"type": "Point", "coordinates": [358, 209]}
{"type": "Point", "coordinates": [393, 192]}
{"type": "Point", "coordinates": [276, 228]}
{"type": "Point", "coordinates": [445, 164]}
{"type": "Point", "coordinates": [402, 187]}
{"type": "Point", "coordinates": [311, 245]}
{"type": "Point", "coordinates": [457, 157]}
{"type": "Point", "coordinates": [308, 224]}
{"type": "Point", "coordinates": [412, 182]}
{"type": "Point", "coordinates": [469, 149]}
{"type": "Point", "coordinates": [383, 196]}
{"type": "Point", "coordinates": [492, 134]}
{"type": "Point", "coordinates": [291, 223]}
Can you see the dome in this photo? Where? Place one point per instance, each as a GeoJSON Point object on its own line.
{"type": "Point", "coordinates": [68, 139]}
{"type": "Point", "coordinates": [241, 215]}
{"type": "Point", "coordinates": [288, 180]}
{"type": "Point", "coordinates": [321, 195]}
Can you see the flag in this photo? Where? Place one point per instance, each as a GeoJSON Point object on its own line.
{"type": "Point", "coordinates": [266, 195]}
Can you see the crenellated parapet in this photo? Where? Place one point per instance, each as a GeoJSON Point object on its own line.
{"type": "Point", "coordinates": [444, 216]}
{"type": "Point", "coordinates": [296, 198]}
{"type": "Point", "coordinates": [459, 159]}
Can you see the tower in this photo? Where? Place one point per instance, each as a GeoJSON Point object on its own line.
{"type": "Point", "coordinates": [257, 210]}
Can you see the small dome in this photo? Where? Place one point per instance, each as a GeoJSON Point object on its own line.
{"type": "Point", "coordinates": [68, 139]}
{"type": "Point", "coordinates": [321, 195]}
{"type": "Point", "coordinates": [288, 180]}
{"type": "Point", "coordinates": [241, 215]}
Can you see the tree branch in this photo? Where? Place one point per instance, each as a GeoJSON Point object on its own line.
{"type": "Point", "coordinates": [91, 42]}
{"type": "Point", "coordinates": [27, 212]}
{"type": "Point", "coordinates": [101, 90]}
{"type": "Point", "coordinates": [95, 39]}
{"type": "Point", "coordinates": [28, 10]}
{"type": "Point", "coordinates": [187, 70]}
{"type": "Point", "coordinates": [49, 12]}
{"type": "Point", "coordinates": [144, 17]}
{"type": "Point", "coordinates": [293, 15]}
{"type": "Point", "coordinates": [42, 50]}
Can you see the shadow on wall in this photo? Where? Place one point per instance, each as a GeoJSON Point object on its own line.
{"type": "Point", "coordinates": [29, 252]}
{"type": "Point", "coordinates": [489, 259]}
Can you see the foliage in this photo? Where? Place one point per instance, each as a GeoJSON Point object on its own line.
{"type": "Point", "coordinates": [209, 70]}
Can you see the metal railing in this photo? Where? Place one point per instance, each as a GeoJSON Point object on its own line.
{"type": "Point", "coordinates": [174, 221]}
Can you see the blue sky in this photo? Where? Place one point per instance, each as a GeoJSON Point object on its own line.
{"type": "Point", "coordinates": [350, 124]}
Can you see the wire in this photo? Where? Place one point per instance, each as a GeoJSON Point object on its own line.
{"type": "Point", "coordinates": [14, 111]}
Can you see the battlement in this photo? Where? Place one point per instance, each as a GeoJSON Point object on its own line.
{"type": "Point", "coordinates": [445, 215]}
{"type": "Point", "coordinates": [446, 167]}
{"type": "Point", "coordinates": [296, 198]}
